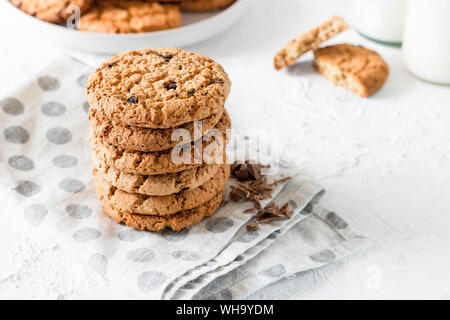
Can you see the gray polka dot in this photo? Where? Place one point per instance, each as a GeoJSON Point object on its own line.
{"type": "Point", "coordinates": [249, 237]}
{"type": "Point", "coordinates": [130, 235]}
{"type": "Point", "coordinates": [27, 188]}
{"type": "Point", "coordinates": [64, 161]}
{"type": "Point", "coordinates": [150, 280]}
{"type": "Point", "coordinates": [308, 209]}
{"type": "Point", "coordinates": [48, 83]}
{"type": "Point", "coordinates": [86, 234]}
{"type": "Point", "coordinates": [59, 135]}
{"type": "Point", "coordinates": [12, 106]}
{"type": "Point", "coordinates": [35, 214]}
{"type": "Point", "coordinates": [53, 109]}
{"type": "Point", "coordinates": [192, 284]}
{"type": "Point", "coordinates": [72, 185]}
{"type": "Point", "coordinates": [141, 255]}
{"type": "Point", "coordinates": [274, 272]}
{"type": "Point", "coordinates": [272, 236]}
{"type": "Point", "coordinates": [78, 211]}
{"type": "Point", "coordinates": [16, 134]}
{"type": "Point", "coordinates": [293, 204]}
{"type": "Point", "coordinates": [98, 262]}
{"type": "Point", "coordinates": [325, 256]}
{"type": "Point", "coordinates": [173, 236]}
{"type": "Point", "coordinates": [82, 80]}
{"type": "Point", "coordinates": [21, 163]}
{"type": "Point", "coordinates": [86, 107]}
{"type": "Point", "coordinates": [186, 255]}
{"type": "Point", "coordinates": [219, 225]}
{"type": "Point", "coordinates": [334, 220]}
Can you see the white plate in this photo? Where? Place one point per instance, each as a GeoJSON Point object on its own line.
{"type": "Point", "coordinates": [196, 28]}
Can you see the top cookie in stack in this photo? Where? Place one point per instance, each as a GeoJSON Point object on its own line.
{"type": "Point", "coordinates": [138, 100]}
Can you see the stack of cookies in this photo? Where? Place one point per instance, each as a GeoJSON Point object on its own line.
{"type": "Point", "coordinates": [158, 136]}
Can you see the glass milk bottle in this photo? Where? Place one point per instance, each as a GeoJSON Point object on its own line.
{"type": "Point", "coordinates": [379, 20]}
{"type": "Point", "coordinates": [426, 42]}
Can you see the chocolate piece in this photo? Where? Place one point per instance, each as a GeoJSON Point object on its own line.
{"type": "Point", "coordinates": [250, 210]}
{"type": "Point", "coordinates": [253, 226]}
{"type": "Point", "coordinates": [191, 93]}
{"type": "Point", "coordinates": [272, 212]}
{"type": "Point", "coordinates": [246, 171]}
{"type": "Point", "coordinates": [287, 210]}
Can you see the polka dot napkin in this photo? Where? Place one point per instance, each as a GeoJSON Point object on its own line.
{"type": "Point", "coordinates": [46, 169]}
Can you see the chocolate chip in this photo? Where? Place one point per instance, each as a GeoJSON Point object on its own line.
{"type": "Point", "coordinates": [216, 81]}
{"type": "Point", "coordinates": [166, 56]}
{"type": "Point", "coordinates": [133, 100]}
{"type": "Point", "coordinates": [171, 86]}
{"type": "Point", "coordinates": [185, 188]}
{"type": "Point", "coordinates": [191, 92]}
{"type": "Point", "coordinates": [253, 226]}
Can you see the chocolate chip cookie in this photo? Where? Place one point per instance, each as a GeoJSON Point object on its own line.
{"type": "Point", "coordinates": [158, 88]}
{"type": "Point", "coordinates": [156, 185]}
{"type": "Point", "coordinates": [356, 68]}
{"type": "Point", "coordinates": [146, 139]}
{"type": "Point", "coordinates": [176, 222]}
{"type": "Point", "coordinates": [153, 163]}
{"type": "Point", "coordinates": [124, 16]}
{"type": "Point", "coordinates": [308, 41]}
{"type": "Point", "coordinates": [56, 11]}
{"type": "Point", "coordinates": [134, 203]}
{"type": "Point", "coordinates": [205, 5]}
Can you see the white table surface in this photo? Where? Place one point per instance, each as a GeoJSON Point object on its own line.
{"type": "Point", "coordinates": [385, 162]}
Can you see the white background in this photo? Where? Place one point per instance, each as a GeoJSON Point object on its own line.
{"type": "Point", "coordinates": [385, 162]}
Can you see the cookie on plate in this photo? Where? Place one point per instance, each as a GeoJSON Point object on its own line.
{"type": "Point", "coordinates": [356, 68]}
{"type": "Point", "coordinates": [158, 88]}
{"type": "Point", "coordinates": [146, 139]}
{"type": "Point", "coordinates": [134, 203]}
{"type": "Point", "coordinates": [310, 40]}
{"type": "Point", "coordinates": [176, 222]}
{"type": "Point", "coordinates": [153, 163]}
{"type": "Point", "coordinates": [156, 185]}
{"type": "Point", "coordinates": [56, 11]}
{"type": "Point", "coordinates": [130, 16]}
{"type": "Point", "coordinates": [205, 5]}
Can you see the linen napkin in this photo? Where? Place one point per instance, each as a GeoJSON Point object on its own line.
{"type": "Point", "coordinates": [46, 168]}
